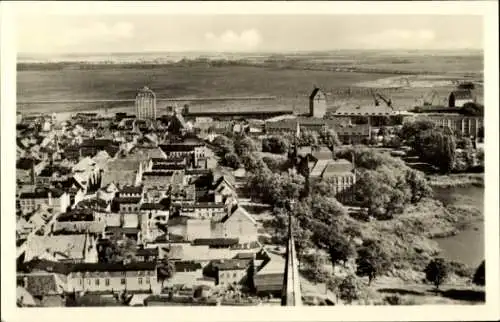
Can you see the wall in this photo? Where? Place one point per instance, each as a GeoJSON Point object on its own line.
{"type": "Point", "coordinates": [228, 277]}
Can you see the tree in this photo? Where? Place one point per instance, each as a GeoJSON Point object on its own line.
{"type": "Point", "coordinates": [326, 209]}
{"type": "Point", "coordinates": [419, 187]}
{"type": "Point", "coordinates": [231, 160]}
{"type": "Point", "coordinates": [340, 248]}
{"type": "Point", "coordinates": [277, 164]}
{"type": "Point", "coordinates": [376, 190]}
{"type": "Point", "coordinates": [275, 144]}
{"type": "Point", "coordinates": [436, 271]}
{"type": "Point", "coordinates": [479, 276]}
{"type": "Point", "coordinates": [165, 270]}
{"type": "Point", "coordinates": [308, 138]}
{"type": "Point", "coordinates": [222, 145]}
{"type": "Point", "coordinates": [244, 145]}
{"type": "Point", "coordinates": [372, 260]}
{"type": "Point", "coordinates": [349, 289]}
{"type": "Point", "coordinates": [329, 137]}
{"type": "Point", "coordinates": [252, 162]}
{"type": "Point", "coordinates": [411, 130]}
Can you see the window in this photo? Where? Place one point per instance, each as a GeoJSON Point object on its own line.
{"type": "Point", "coordinates": [107, 281]}
{"type": "Point", "coordinates": [122, 281]}
{"type": "Point", "coordinates": [97, 282]}
{"type": "Point", "coordinates": [234, 275]}
{"type": "Point", "coordinates": [140, 280]}
{"type": "Point", "coordinates": [88, 281]}
{"type": "Point", "coordinates": [81, 281]}
{"type": "Point", "coordinates": [147, 280]}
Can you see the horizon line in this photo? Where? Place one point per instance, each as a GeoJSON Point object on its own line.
{"type": "Point", "coordinates": [289, 51]}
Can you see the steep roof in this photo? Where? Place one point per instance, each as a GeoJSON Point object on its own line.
{"type": "Point", "coordinates": [239, 211]}
{"type": "Point", "coordinates": [337, 167]}
{"type": "Point", "coordinates": [70, 245]}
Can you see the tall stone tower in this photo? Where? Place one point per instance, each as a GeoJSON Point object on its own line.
{"type": "Point", "coordinates": [317, 103]}
{"type": "Point", "coordinates": [145, 104]}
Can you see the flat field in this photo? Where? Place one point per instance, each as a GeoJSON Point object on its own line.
{"type": "Point", "coordinates": [289, 78]}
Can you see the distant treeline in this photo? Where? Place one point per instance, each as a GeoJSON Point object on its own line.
{"type": "Point", "coordinates": [271, 62]}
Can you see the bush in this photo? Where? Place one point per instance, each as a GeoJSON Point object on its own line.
{"type": "Point", "coordinates": [393, 300]}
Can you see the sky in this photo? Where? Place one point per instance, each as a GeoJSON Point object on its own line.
{"type": "Point", "coordinates": [46, 34]}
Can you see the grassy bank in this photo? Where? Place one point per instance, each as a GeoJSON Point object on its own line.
{"type": "Point", "coordinates": [408, 238]}
{"type": "Point", "coordinates": [457, 180]}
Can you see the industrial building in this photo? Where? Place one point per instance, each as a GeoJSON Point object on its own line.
{"type": "Point", "coordinates": [145, 104]}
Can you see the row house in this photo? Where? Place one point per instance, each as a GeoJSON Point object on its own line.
{"type": "Point", "coordinates": [231, 272]}
{"type": "Point", "coordinates": [99, 278]}
{"type": "Point", "coordinates": [54, 199]}
{"type": "Point", "coordinates": [128, 204]}
{"type": "Point", "coordinates": [157, 178]}
{"type": "Point", "coordinates": [459, 124]}
{"type": "Point", "coordinates": [204, 210]}
{"type": "Point", "coordinates": [195, 151]}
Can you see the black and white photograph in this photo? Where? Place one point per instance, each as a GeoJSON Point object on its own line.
{"type": "Point", "coordinates": [177, 159]}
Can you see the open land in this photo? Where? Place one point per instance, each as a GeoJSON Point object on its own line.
{"type": "Point", "coordinates": [405, 77]}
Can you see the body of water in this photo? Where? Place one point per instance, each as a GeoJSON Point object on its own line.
{"type": "Point", "coordinates": [467, 246]}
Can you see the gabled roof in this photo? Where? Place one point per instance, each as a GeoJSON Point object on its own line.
{"type": "Point", "coordinates": [238, 210]}
{"type": "Point", "coordinates": [337, 167]}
